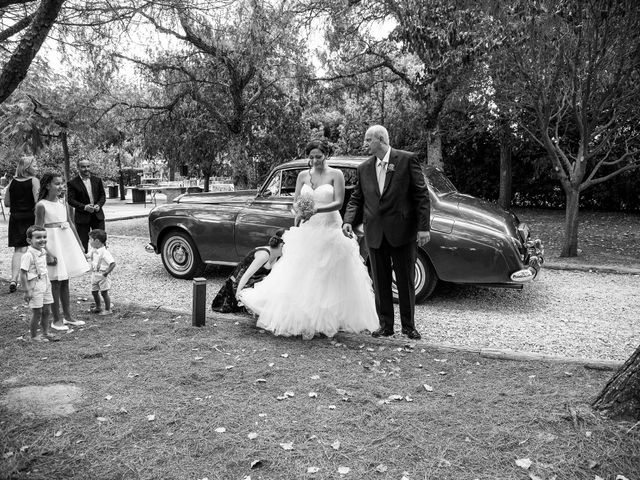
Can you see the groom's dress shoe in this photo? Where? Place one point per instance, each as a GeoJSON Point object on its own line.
{"type": "Point", "coordinates": [382, 332]}
{"type": "Point", "coordinates": [412, 333]}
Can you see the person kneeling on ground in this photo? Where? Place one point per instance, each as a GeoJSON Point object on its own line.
{"type": "Point", "coordinates": [102, 264]}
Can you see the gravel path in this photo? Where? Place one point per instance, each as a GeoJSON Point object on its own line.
{"type": "Point", "coordinates": [567, 313]}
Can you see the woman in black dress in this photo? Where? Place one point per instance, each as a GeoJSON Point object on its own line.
{"type": "Point", "coordinates": [253, 268]}
{"type": "Point", "coordinates": [21, 196]}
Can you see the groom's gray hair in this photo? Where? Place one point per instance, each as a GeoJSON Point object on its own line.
{"type": "Point", "coordinates": [380, 132]}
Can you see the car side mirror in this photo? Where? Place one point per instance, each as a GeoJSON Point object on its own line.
{"type": "Point", "coordinates": [265, 194]}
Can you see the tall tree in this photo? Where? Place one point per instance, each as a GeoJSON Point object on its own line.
{"type": "Point", "coordinates": [433, 47]}
{"type": "Point", "coordinates": [575, 71]}
{"type": "Point", "coordinates": [31, 21]}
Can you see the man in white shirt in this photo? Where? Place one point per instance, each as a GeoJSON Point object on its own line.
{"type": "Point", "coordinates": [86, 197]}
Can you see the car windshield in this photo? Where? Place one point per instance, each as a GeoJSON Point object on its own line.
{"type": "Point", "coordinates": [440, 184]}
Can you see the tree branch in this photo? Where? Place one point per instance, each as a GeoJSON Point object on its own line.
{"type": "Point", "coordinates": [16, 27]}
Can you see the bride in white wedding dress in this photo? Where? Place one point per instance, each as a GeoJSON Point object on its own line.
{"type": "Point", "coordinates": [320, 285]}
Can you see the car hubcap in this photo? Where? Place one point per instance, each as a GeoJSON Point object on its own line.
{"type": "Point", "coordinates": [179, 256]}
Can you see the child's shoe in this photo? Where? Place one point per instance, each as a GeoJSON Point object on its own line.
{"type": "Point", "coordinates": [51, 337]}
{"type": "Point", "coordinates": [95, 309]}
{"type": "Point", "coordinates": [39, 338]}
{"type": "Point", "coordinates": [77, 323]}
{"type": "Point", "coordinates": [60, 328]}
{"type": "Point", "coordinates": [105, 312]}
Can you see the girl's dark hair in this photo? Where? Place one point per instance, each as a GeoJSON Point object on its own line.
{"type": "Point", "coordinates": [276, 239]}
{"type": "Point", "coordinates": [320, 144]}
{"type": "Point", "coordinates": [45, 181]}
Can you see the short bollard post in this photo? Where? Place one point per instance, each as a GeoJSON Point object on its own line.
{"type": "Point", "coordinates": [198, 310]}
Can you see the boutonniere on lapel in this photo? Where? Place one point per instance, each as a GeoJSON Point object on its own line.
{"type": "Point", "coordinates": [391, 167]}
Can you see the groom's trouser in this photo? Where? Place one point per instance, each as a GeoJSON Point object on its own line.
{"type": "Point", "coordinates": [403, 259]}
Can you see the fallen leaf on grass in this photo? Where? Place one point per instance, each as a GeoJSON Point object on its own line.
{"type": "Point", "coordinates": [197, 359]}
{"type": "Point", "coordinates": [101, 419]}
{"type": "Point", "coordinates": [132, 375]}
{"type": "Point", "coordinates": [315, 377]}
{"type": "Point", "coordinates": [621, 477]}
{"type": "Point", "coordinates": [428, 388]}
{"type": "Point", "coordinates": [340, 391]}
{"type": "Point", "coordinates": [58, 433]}
{"type": "Point", "coordinates": [336, 445]}
{"type": "Point", "coordinates": [408, 398]}
{"type": "Point", "coordinates": [332, 407]}
{"type": "Point", "coordinates": [7, 455]}
{"type": "Point", "coordinates": [382, 468]}
{"type": "Point", "coordinates": [313, 395]}
{"type": "Point", "coordinates": [252, 436]}
{"type": "Point", "coordinates": [287, 446]}
{"type": "Point", "coordinates": [229, 367]}
{"type": "Point", "coordinates": [221, 430]}
{"type": "Point", "coordinates": [289, 394]}
{"type": "Point", "coordinates": [261, 380]}
{"type": "Point", "coordinates": [271, 364]}
{"type": "Point", "coordinates": [285, 355]}
{"type": "Point", "coordinates": [523, 463]}
{"type": "Point", "coordinates": [451, 394]}
{"type": "Point", "coordinates": [313, 470]}
{"type": "Point", "coordinates": [151, 418]}
{"type": "Point", "coordinates": [108, 397]}
{"type": "Point", "coordinates": [256, 464]}
{"type": "Point", "coordinates": [343, 470]}
{"type": "Point", "coordinates": [281, 397]}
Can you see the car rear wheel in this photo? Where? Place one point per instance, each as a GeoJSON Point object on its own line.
{"type": "Point", "coordinates": [425, 279]}
{"type": "Point", "coordinates": [180, 256]}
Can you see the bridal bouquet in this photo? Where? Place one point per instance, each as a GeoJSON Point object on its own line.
{"type": "Point", "coordinates": [304, 207]}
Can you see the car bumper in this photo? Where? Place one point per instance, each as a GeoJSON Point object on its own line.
{"type": "Point", "coordinates": [535, 253]}
{"type": "Point", "coordinates": [150, 248]}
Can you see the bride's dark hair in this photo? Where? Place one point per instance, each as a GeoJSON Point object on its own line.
{"type": "Point", "coordinates": [276, 239]}
{"type": "Point", "coordinates": [320, 144]}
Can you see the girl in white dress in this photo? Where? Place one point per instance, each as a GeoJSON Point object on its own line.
{"type": "Point", "coordinates": [320, 285]}
{"type": "Point", "coordinates": [62, 244]}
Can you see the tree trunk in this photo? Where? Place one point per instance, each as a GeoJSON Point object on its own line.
{"type": "Point", "coordinates": [505, 174]}
{"type": "Point", "coordinates": [570, 244]}
{"type": "Point", "coordinates": [16, 68]}
{"type": "Point", "coordinates": [123, 193]}
{"type": "Point", "coordinates": [620, 398]}
{"type": "Point", "coordinates": [434, 148]}
{"type": "Point", "coordinates": [65, 154]}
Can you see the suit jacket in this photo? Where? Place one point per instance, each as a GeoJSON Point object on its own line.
{"type": "Point", "coordinates": [403, 207]}
{"type": "Point", "coordinates": [79, 197]}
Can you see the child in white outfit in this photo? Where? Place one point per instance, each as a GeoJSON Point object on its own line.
{"type": "Point", "coordinates": [33, 271]}
{"type": "Point", "coordinates": [102, 263]}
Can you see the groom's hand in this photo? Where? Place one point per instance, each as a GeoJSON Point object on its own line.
{"type": "Point", "coordinates": [347, 230]}
{"type": "Point", "coordinates": [423, 238]}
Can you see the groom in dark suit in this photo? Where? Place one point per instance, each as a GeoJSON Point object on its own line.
{"type": "Point", "coordinates": [87, 197]}
{"type": "Point", "coordinates": [392, 200]}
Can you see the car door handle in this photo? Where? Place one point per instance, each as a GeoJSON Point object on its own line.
{"type": "Point", "coordinates": [449, 248]}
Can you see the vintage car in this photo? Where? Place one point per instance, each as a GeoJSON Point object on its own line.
{"type": "Point", "coordinates": [472, 241]}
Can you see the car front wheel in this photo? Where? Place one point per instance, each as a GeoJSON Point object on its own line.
{"type": "Point", "coordinates": [180, 256]}
{"type": "Point", "coordinates": [425, 279]}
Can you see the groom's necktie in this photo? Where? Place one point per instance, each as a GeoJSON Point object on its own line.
{"type": "Point", "coordinates": [382, 174]}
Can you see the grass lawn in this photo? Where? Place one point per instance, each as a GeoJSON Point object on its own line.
{"type": "Point", "coordinates": [164, 400]}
